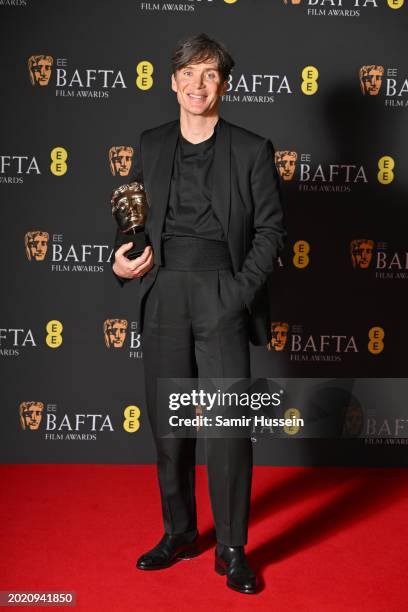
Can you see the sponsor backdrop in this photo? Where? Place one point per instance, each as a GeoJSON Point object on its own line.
{"type": "Point", "coordinates": [327, 82]}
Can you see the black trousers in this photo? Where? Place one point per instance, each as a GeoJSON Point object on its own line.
{"type": "Point", "coordinates": [194, 326]}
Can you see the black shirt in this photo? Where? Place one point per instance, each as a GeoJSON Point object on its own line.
{"type": "Point", "coordinates": [189, 211]}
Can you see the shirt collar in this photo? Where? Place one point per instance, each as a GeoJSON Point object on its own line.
{"type": "Point", "coordinates": [189, 148]}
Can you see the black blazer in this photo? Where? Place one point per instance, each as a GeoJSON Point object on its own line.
{"type": "Point", "coordinates": [246, 200]}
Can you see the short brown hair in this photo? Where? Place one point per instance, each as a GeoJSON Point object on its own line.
{"type": "Point", "coordinates": [198, 48]}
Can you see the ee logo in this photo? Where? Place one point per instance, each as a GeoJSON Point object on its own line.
{"type": "Point", "coordinates": [131, 422]}
{"type": "Point", "coordinates": [54, 337]}
{"type": "Point", "coordinates": [58, 161]}
{"type": "Point", "coordinates": [395, 4]}
{"type": "Point", "coordinates": [386, 166]}
{"type": "Point", "coordinates": [291, 413]}
{"type": "Point", "coordinates": [309, 86]}
{"type": "Point", "coordinates": [144, 71]}
{"type": "Point", "coordinates": [301, 250]}
{"type": "Point", "coordinates": [376, 337]}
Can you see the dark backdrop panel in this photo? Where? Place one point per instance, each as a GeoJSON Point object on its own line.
{"type": "Point", "coordinates": [81, 388]}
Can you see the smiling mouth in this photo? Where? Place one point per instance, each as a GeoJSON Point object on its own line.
{"type": "Point", "coordinates": [193, 97]}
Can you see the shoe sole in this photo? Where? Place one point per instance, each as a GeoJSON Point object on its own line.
{"type": "Point", "coordinates": [191, 553]}
{"type": "Point", "coordinates": [245, 591]}
{"type": "Point", "coordinates": [221, 571]}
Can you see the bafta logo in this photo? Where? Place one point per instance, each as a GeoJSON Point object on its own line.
{"type": "Point", "coordinates": [371, 79]}
{"type": "Point", "coordinates": [353, 422]}
{"type": "Point", "coordinates": [279, 331]}
{"type": "Point", "coordinates": [361, 251]}
{"type": "Point", "coordinates": [36, 244]}
{"type": "Point", "coordinates": [120, 160]}
{"type": "Point", "coordinates": [39, 69]}
{"type": "Point", "coordinates": [114, 331]}
{"type": "Point", "coordinates": [285, 162]}
{"type": "Point", "coordinates": [30, 415]}
{"type": "Point", "coordinates": [292, 1]}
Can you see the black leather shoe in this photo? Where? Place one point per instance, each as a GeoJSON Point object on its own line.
{"type": "Point", "coordinates": [170, 549]}
{"type": "Point", "coordinates": [230, 560]}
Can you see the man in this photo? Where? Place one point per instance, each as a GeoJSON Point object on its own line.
{"type": "Point", "coordinates": [214, 227]}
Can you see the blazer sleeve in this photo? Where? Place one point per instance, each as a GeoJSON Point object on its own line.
{"type": "Point", "coordinates": [269, 233]}
{"type": "Point", "coordinates": [136, 176]}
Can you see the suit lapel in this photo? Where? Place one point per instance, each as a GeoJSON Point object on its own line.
{"type": "Point", "coordinates": [160, 186]}
{"type": "Point", "coordinates": [221, 192]}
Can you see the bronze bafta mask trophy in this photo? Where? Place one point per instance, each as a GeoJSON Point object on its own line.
{"type": "Point", "coordinates": [129, 207]}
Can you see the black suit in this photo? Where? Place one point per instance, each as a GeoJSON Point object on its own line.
{"type": "Point", "coordinates": [200, 323]}
{"type": "Point", "coordinates": [245, 198]}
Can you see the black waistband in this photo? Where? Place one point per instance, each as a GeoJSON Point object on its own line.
{"type": "Point", "coordinates": [191, 253]}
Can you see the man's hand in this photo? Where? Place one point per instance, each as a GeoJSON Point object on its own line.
{"type": "Point", "coordinates": [132, 268]}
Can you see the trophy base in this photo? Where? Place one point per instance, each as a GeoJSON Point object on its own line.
{"type": "Point", "coordinates": [139, 243]}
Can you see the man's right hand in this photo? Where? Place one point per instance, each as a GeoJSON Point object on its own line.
{"type": "Point", "coordinates": [132, 268]}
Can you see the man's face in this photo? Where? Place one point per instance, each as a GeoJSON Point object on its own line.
{"type": "Point", "coordinates": [117, 335]}
{"type": "Point", "coordinates": [38, 246]}
{"type": "Point", "coordinates": [362, 254]}
{"type": "Point", "coordinates": [123, 162]}
{"type": "Point", "coordinates": [32, 416]}
{"type": "Point", "coordinates": [42, 72]}
{"type": "Point", "coordinates": [198, 87]}
{"type": "Point", "coordinates": [372, 81]}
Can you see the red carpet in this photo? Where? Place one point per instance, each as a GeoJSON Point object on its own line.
{"type": "Point", "coordinates": [329, 539]}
